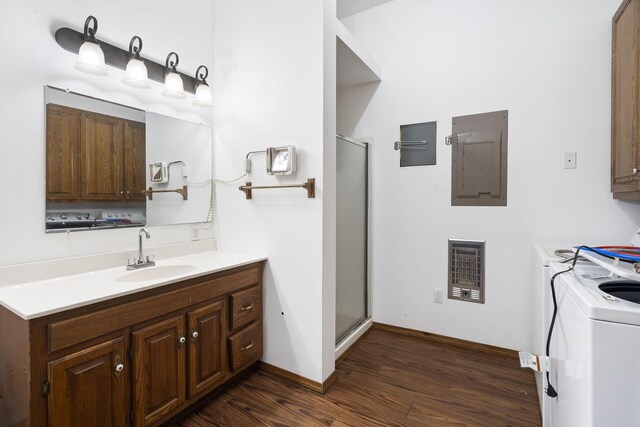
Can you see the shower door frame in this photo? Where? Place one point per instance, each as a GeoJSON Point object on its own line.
{"type": "Point", "coordinates": [367, 275]}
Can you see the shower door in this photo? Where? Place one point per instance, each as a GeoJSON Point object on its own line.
{"type": "Point", "coordinates": [351, 239]}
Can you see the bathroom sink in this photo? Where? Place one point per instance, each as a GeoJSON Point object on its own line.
{"type": "Point", "coordinates": [155, 273]}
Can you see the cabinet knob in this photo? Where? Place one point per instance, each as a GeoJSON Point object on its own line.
{"type": "Point", "coordinates": [128, 192]}
{"type": "Point", "coordinates": [118, 367]}
{"type": "Point", "coordinates": [194, 335]}
{"type": "Point", "coordinates": [122, 192]}
{"type": "Point", "coordinates": [634, 171]}
{"type": "Point", "coordinates": [246, 308]}
{"type": "Point", "coordinates": [246, 347]}
{"type": "Point", "coordinates": [181, 341]}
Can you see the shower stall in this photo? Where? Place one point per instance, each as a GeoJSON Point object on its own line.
{"type": "Point", "coordinates": [352, 229]}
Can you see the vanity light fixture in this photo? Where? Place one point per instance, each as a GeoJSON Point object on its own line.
{"type": "Point", "coordinates": [93, 54]}
{"type": "Point", "coordinates": [90, 55]}
{"type": "Point", "coordinates": [136, 72]}
{"type": "Point", "coordinates": [173, 87]}
{"type": "Point", "coordinates": [203, 91]}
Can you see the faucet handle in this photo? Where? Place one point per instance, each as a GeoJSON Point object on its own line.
{"type": "Point", "coordinates": [150, 258]}
{"type": "Point", "coordinates": [132, 261]}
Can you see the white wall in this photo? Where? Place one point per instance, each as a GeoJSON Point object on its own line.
{"type": "Point", "coordinates": [548, 63]}
{"type": "Point", "coordinates": [329, 199]}
{"type": "Point", "coordinates": [268, 91]}
{"type": "Point", "coordinates": [33, 59]}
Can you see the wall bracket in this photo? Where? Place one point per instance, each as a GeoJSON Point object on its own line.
{"type": "Point", "coordinates": [184, 192]}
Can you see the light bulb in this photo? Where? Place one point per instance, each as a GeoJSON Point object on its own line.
{"type": "Point", "coordinates": [91, 59]}
{"type": "Point", "coordinates": [136, 74]}
{"type": "Point", "coordinates": [173, 87]}
{"type": "Point", "coordinates": [203, 96]}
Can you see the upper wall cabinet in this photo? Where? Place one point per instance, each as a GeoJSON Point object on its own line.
{"type": "Point", "coordinates": [93, 156]}
{"type": "Point", "coordinates": [625, 111]}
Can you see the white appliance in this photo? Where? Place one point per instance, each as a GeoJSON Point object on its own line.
{"type": "Point", "coordinates": [542, 308]}
{"type": "Point", "coordinates": [596, 349]}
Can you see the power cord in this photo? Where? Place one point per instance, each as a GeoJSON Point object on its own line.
{"type": "Point", "coordinates": [211, 214]}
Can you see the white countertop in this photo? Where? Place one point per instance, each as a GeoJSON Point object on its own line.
{"type": "Point", "coordinates": [38, 298]}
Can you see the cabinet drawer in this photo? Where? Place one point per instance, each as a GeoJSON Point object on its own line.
{"type": "Point", "coordinates": [246, 346]}
{"type": "Point", "coordinates": [245, 307]}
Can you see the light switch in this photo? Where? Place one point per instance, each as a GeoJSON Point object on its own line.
{"type": "Point", "coordinates": [570, 160]}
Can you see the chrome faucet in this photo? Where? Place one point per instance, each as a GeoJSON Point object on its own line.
{"type": "Point", "coordinates": [141, 262]}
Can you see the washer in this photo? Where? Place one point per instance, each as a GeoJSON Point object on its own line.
{"type": "Point", "coordinates": [595, 353]}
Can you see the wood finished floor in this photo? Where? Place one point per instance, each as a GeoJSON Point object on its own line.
{"type": "Point", "coordinates": [387, 380]}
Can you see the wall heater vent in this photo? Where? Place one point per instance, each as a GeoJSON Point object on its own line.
{"type": "Point", "coordinates": [466, 270]}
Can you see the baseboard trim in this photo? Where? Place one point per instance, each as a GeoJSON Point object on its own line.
{"type": "Point", "coordinates": [320, 387]}
{"type": "Point", "coordinates": [347, 345]}
{"type": "Point", "coordinates": [486, 348]}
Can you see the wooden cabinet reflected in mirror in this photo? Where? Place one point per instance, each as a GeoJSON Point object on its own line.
{"type": "Point", "coordinates": [62, 153]}
{"type": "Point", "coordinates": [93, 156]}
{"type": "Point", "coordinates": [95, 170]}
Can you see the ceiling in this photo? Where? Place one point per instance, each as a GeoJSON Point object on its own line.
{"type": "Point", "coordinates": [351, 7]}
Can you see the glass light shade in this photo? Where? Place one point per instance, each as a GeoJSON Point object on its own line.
{"type": "Point", "coordinates": [136, 74]}
{"type": "Point", "coordinates": [203, 96]}
{"type": "Point", "coordinates": [173, 87]}
{"type": "Point", "coordinates": [91, 59]}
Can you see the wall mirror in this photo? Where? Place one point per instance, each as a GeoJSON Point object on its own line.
{"type": "Point", "coordinates": [100, 157]}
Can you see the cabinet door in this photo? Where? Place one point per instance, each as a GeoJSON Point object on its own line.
{"type": "Point", "coordinates": [102, 151]}
{"type": "Point", "coordinates": [89, 387]}
{"type": "Point", "coordinates": [206, 347]}
{"type": "Point", "coordinates": [625, 161]}
{"type": "Point", "coordinates": [158, 369]}
{"type": "Point", "coordinates": [63, 129]}
{"type": "Point", "coordinates": [135, 178]}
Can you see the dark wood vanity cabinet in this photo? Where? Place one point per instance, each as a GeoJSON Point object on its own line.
{"type": "Point", "coordinates": [158, 364]}
{"type": "Point", "coordinates": [93, 157]}
{"type": "Point", "coordinates": [137, 360]}
{"type": "Point", "coordinates": [88, 385]}
{"type": "Point", "coordinates": [207, 352]}
{"type": "Point", "coordinates": [192, 361]}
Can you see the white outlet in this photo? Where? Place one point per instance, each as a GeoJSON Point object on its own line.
{"type": "Point", "coordinates": [570, 160]}
{"type": "Point", "coordinates": [437, 296]}
{"type": "Point", "coordinates": [195, 232]}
